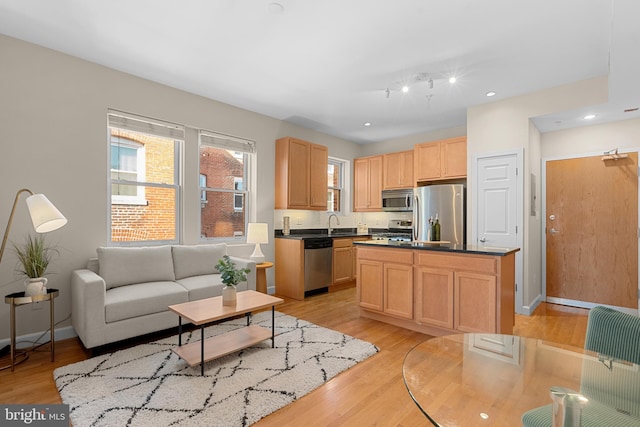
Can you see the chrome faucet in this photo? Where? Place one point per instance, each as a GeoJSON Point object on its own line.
{"type": "Point", "coordinates": [337, 222]}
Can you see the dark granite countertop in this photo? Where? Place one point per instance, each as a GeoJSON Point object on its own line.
{"type": "Point", "coordinates": [440, 247]}
{"type": "Point", "coordinates": [315, 233]}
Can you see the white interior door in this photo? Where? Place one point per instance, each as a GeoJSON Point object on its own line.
{"type": "Point", "coordinates": [498, 197]}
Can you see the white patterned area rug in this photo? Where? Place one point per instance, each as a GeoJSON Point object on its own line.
{"type": "Point", "coordinates": [149, 385]}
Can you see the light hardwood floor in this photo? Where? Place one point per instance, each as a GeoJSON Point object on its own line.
{"type": "Point", "coordinates": [370, 394]}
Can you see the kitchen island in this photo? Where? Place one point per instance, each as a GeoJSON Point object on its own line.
{"type": "Point", "coordinates": [437, 288]}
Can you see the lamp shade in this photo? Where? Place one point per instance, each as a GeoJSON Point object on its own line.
{"type": "Point", "coordinates": [44, 215]}
{"type": "Point", "coordinates": [257, 232]}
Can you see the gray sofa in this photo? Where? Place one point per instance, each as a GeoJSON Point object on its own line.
{"type": "Point", "coordinates": [126, 291]}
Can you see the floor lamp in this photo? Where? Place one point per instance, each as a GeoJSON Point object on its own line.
{"type": "Point", "coordinates": [44, 215]}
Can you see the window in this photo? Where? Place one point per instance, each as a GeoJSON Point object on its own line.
{"type": "Point", "coordinates": [335, 175]}
{"type": "Point", "coordinates": [224, 160]}
{"type": "Point", "coordinates": [203, 184]}
{"type": "Point", "coordinates": [144, 171]}
{"type": "Point", "coordinates": [127, 164]}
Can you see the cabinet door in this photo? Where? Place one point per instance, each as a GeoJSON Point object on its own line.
{"type": "Point", "coordinates": [370, 288]}
{"type": "Point", "coordinates": [426, 159]}
{"type": "Point", "coordinates": [397, 170]}
{"type": "Point", "coordinates": [454, 157]}
{"type": "Point", "coordinates": [375, 183]}
{"type": "Point", "coordinates": [298, 177]}
{"type": "Point", "coordinates": [398, 290]}
{"type": "Point", "coordinates": [475, 302]}
{"type": "Point", "coordinates": [342, 261]}
{"type": "Point", "coordinates": [360, 184]}
{"type": "Point", "coordinates": [319, 158]}
{"type": "Point", "coordinates": [434, 297]}
{"type": "Point", "coordinates": [406, 177]}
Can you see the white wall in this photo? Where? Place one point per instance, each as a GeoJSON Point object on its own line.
{"type": "Point", "coordinates": [624, 134]}
{"type": "Point", "coordinates": [505, 125]}
{"type": "Point", "coordinates": [54, 140]}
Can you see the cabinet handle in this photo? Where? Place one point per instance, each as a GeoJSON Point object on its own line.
{"type": "Point", "coordinates": [482, 239]}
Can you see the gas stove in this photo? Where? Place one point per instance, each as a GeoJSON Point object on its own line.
{"type": "Point", "coordinates": [398, 231]}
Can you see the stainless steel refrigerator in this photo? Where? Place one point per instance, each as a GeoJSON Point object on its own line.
{"type": "Point", "coordinates": [448, 203]}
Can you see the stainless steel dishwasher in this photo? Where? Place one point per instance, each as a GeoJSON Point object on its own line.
{"type": "Point", "coordinates": [317, 263]}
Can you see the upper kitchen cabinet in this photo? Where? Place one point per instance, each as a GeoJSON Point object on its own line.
{"type": "Point", "coordinates": [397, 170]}
{"type": "Point", "coordinates": [301, 175]}
{"type": "Point", "coordinates": [367, 185]}
{"type": "Point", "coordinates": [445, 159]}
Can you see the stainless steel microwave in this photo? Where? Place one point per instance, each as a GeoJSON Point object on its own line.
{"type": "Point", "coordinates": [397, 200]}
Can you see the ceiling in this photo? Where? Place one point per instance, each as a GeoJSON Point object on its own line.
{"type": "Point", "coordinates": [333, 65]}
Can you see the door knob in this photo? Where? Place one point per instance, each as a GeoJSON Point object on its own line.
{"type": "Point", "coordinates": [554, 231]}
{"type": "Point", "coordinates": [482, 239]}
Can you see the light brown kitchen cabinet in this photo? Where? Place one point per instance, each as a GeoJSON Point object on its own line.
{"type": "Point", "coordinates": [344, 259]}
{"type": "Point", "coordinates": [397, 170]}
{"type": "Point", "coordinates": [367, 185]}
{"type": "Point", "coordinates": [437, 160]}
{"type": "Point", "coordinates": [475, 302]}
{"type": "Point", "coordinates": [436, 292]}
{"type": "Point", "coordinates": [434, 296]}
{"type": "Point", "coordinates": [301, 175]}
{"type": "Point", "coordinates": [385, 281]}
{"type": "Point", "coordinates": [289, 269]}
{"type": "Point", "coordinates": [460, 292]}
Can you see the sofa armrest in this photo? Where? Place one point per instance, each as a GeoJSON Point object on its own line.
{"type": "Point", "coordinates": [88, 293]}
{"type": "Point", "coordinates": [251, 265]}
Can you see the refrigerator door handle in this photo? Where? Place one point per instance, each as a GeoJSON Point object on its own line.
{"type": "Point", "coordinates": [416, 216]}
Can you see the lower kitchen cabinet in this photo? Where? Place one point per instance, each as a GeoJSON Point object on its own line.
{"type": "Point", "coordinates": [398, 290]}
{"type": "Point", "coordinates": [434, 297]}
{"type": "Point", "coordinates": [475, 302]}
{"type": "Point", "coordinates": [344, 259]}
{"type": "Point", "coordinates": [385, 281]}
{"type": "Point", "coordinates": [437, 292]}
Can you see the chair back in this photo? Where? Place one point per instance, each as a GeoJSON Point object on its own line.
{"type": "Point", "coordinates": [611, 379]}
{"type": "Point", "coordinates": [613, 333]}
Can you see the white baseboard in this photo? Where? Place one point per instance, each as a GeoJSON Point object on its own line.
{"type": "Point", "coordinates": [528, 310]}
{"type": "Point", "coordinates": [41, 337]}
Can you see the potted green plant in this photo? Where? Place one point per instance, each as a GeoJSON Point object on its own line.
{"type": "Point", "coordinates": [231, 276]}
{"type": "Point", "coordinates": [34, 256]}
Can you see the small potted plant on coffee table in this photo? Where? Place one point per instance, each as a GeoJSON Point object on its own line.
{"type": "Point", "coordinates": [231, 276]}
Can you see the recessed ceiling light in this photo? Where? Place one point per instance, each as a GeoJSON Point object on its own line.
{"type": "Point", "coordinates": [367, 124]}
{"type": "Point", "coordinates": [491, 93]}
{"type": "Point", "coordinates": [452, 79]}
{"type": "Point", "coordinates": [405, 89]}
{"type": "Point", "coordinates": [589, 116]}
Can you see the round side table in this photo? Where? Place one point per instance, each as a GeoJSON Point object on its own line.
{"type": "Point", "coordinates": [261, 276]}
{"type": "Point", "coordinates": [16, 299]}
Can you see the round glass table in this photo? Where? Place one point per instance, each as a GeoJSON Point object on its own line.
{"type": "Point", "coordinates": [492, 380]}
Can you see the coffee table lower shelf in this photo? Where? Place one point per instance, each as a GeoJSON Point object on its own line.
{"type": "Point", "coordinates": [221, 345]}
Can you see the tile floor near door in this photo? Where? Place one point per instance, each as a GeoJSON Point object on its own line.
{"type": "Point", "coordinates": [371, 393]}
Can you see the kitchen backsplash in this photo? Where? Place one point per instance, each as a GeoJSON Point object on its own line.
{"type": "Point", "coordinates": [301, 219]}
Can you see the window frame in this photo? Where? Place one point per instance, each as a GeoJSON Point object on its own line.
{"type": "Point", "coordinates": [342, 181]}
{"type": "Point", "coordinates": [236, 145]}
{"type": "Point", "coordinates": [157, 128]}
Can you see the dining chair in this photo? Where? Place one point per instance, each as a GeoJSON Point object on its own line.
{"type": "Point", "coordinates": [615, 337]}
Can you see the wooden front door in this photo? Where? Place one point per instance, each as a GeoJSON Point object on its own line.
{"type": "Point", "coordinates": [592, 230]}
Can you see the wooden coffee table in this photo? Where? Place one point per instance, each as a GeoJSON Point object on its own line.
{"type": "Point", "coordinates": [207, 311]}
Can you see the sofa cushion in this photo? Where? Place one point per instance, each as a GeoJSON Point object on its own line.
{"type": "Point", "coordinates": [200, 287]}
{"type": "Point", "coordinates": [124, 266]}
{"type": "Point", "coordinates": [197, 260]}
{"type": "Point", "coordinates": [140, 299]}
